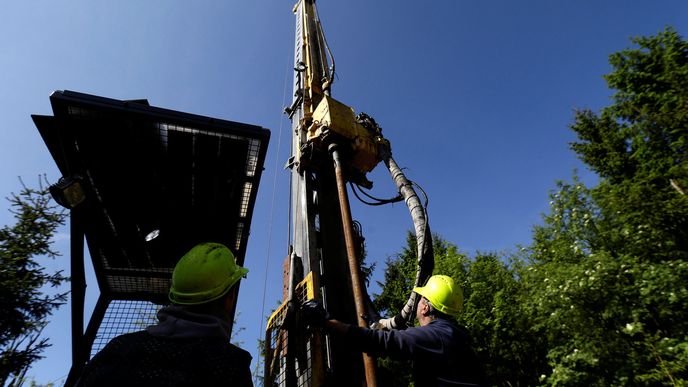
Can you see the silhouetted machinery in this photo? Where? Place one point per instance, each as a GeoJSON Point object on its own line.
{"type": "Point", "coordinates": [331, 145]}
{"type": "Point", "coordinates": [144, 185]}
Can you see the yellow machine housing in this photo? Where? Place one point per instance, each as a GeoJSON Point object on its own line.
{"type": "Point", "coordinates": [332, 116]}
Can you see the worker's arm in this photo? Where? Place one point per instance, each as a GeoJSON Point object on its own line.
{"type": "Point", "coordinates": [395, 344]}
{"type": "Point", "coordinates": [336, 326]}
{"type": "Point", "coordinates": [398, 344]}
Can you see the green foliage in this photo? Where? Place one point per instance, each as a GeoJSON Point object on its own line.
{"type": "Point", "coordinates": [24, 304]}
{"type": "Point", "coordinates": [569, 292]}
{"type": "Point", "coordinates": [258, 375]}
{"type": "Point", "coordinates": [400, 274]}
{"type": "Point", "coordinates": [643, 134]}
{"type": "Point", "coordinates": [609, 316]}
{"type": "Point", "coordinates": [236, 330]}
{"type": "Point", "coordinates": [600, 297]}
{"type": "Point", "coordinates": [511, 353]}
{"type": "Point", "coordinates": [609, 265]}
{"type": "Point", "coordinates": [491, 311]}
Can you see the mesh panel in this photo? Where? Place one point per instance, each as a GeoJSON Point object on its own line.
{"type": "Point", "coordinates": [277, 340]}
{"type": "Point", "coordinates": [158, 182]}
{"type": "Point", "coordinates": [252, 160]}
{"type": "Point", "coordinates": [253, 143]}
{"type": "Point", "coordinates": [125, 284]}
{"type": "Point", "coordinates": [239, 235]}
{"type": "Point", "coordinates": [246, 195]}
{"type": "Point", "coordinates": [124, 316]}
{"type": "Point", "coordinates": [185, 178]}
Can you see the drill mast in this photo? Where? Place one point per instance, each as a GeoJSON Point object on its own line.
{"type": "Point", "coordinates": [330, 146]}
{"type": "Point", "coordinates": [319, 255]}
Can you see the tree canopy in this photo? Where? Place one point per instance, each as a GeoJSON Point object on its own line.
{"type": "Point", "coordinates": [610, 263]}
{"type": "Point", "coordinates": [25, 299]}
{"type": "Point", "coordinates": [600, 295]}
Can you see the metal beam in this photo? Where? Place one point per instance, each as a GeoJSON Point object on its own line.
{"type": "Point", "coordinates": [78, 294]}
{"type": "Point", "coordinates": [317, 234]}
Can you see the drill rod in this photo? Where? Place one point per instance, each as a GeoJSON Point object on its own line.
{"type": "Point", "coordinates": [357, 285]}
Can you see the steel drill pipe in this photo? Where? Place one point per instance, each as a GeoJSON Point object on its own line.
{"type": "Point", "coordinates": [357, 285]}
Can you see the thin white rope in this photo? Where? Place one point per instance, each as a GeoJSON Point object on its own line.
{"type": "Point", "coordinates": [272, 214]}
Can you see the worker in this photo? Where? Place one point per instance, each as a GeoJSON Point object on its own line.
{"type": "Point", "coordinates": [439, 348]}
{"type": "Point", "coordinates": [189, 346]}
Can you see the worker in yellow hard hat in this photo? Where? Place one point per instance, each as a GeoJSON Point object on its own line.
{"type": "Point", "coordinates": [189, 346]}
{"type": "Point", "coordinates": [439, 348]}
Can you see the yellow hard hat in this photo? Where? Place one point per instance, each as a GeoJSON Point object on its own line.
{"type": "Point", "coordinates": [204, 274]}
{"type": "Point", "coordinates": [443, 294]}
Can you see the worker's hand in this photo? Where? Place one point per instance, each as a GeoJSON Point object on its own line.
{"type": "Point", "coordinates": [384, 324]}
{"type": "Point", "coordinates": [314, 314]}
{"type": "Point", "coordinates": [396, 322]}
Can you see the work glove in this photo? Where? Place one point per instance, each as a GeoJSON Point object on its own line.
{"type": "Point", "coordinates": [313, 313]}
{"type": "Point", "coordinates": [387, 324]}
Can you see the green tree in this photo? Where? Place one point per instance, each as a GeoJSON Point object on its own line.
{"type": "Point", "coordinates": [24, 302]}
{"type": "Point", "coordinates": [607, 287]}
{"type": "Point", "coordinates": [574, 296]}
{"type": "Point", "coordinates": [601, 297]}
{"type": "Point", "coordinates": [512, 354]}
{"type": "Point", "coordinates": [400, 274]}
{"type": "Point", "coordinates": [501, 335]}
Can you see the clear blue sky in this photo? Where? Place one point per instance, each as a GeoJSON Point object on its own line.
{"type": "Point", "coordinates": [475, 97]}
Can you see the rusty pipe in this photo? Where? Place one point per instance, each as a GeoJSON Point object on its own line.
{"type": "Point", "coordinates": [354, 269]}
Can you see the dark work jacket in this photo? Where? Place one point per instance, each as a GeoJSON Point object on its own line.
{"type": "Point", "coordinates": [183, 349]}
{"type": "Point", "coordinates": [440, 352]}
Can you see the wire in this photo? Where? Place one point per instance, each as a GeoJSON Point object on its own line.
{"type": "Point", "coordinates": [425, 210]}
{"type": "Point", "coordinates": [377, 202]}
{"type": "Point", "coordinates": [395, 199]}
{"type": "Point", "coordinates": [425, 195]}
{"type": "Point", "coordinates": [327, 46]}
{"type": "Point", "coordinates": [425, 205]}
{"type": "Point", "coordinates": [272, 215]}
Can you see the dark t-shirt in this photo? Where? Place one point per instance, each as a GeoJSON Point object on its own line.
{"type": "Point", "coordinates": [140, 359]}
{"type": "Point", "coordinates": [440, 351]}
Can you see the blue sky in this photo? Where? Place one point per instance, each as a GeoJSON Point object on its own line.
{"type": "Point", "coordinates": [476, 98]}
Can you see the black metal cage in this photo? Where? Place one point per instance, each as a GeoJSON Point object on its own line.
{"type": "Point", "coordinates": [144, 185]}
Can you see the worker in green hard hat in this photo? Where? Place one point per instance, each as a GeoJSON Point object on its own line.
{"type": "Point", "coordinates": [440, 349]}
{"type": "Point", "coordinates": [189, 346]}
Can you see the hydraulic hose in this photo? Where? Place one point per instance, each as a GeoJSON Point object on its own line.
{"type": "Point", "coordinates": [426, 259]}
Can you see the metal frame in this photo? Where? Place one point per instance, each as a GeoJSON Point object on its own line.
{"type": "Point", "coordinates": [189, 178]}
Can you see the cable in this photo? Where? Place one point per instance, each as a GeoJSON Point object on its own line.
{"type": "Point", "coordinates": [377, 202]}
{"type": "Point", "coordinates": [327, 46]}
{"type": "Point", "coordinates": [397, 198]}
{"type": "Point", "coordinates": [425, 209]}
{"type": "Point", "coordinates": [272, 214]}
{"type": "Point", "coordinates": [425, 196]}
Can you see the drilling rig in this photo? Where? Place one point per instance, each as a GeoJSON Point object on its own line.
{"type": "Point", "coordinates": [331, 146]}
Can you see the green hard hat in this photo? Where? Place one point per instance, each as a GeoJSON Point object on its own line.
{"type": "Point", "coordinates": [443, 294]}
{"type": "Point", "coordinates": [204, 274]}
